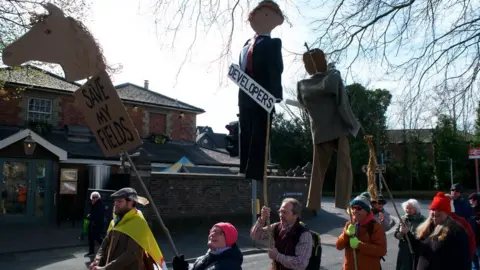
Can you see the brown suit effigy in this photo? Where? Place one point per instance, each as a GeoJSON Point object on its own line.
{"type": "Point", "coordinates": [324, 97]}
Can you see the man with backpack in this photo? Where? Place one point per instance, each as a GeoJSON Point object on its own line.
{"type": "Point", "coordinates": [365, 237]}
{"type": "Point", "coordinates": [295, 246]}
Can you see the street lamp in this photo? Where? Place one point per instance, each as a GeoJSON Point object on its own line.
{"type": "Point", "coordinates": [29, 145]}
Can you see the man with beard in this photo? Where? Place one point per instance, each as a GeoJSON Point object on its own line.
{"type": "Point", "coordinates": [129, 243]}
{"type": "Point", "coordinates": [292, 241]}
{"type": "Point", "coordinates": [442, 242]}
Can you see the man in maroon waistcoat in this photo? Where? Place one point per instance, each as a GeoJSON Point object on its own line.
{"type": "Point", "coordinates": [293, 242]}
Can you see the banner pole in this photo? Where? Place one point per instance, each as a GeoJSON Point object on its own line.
{"type": "Point", "coordinates": [265, 185]}
{"type": "Point", "coordinates": [150, 199]}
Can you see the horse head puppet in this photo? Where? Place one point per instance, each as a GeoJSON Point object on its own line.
{"type": "Point", "coordinates": [57, 39]}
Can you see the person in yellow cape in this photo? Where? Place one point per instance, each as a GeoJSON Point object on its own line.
{"type": "Point", "coordinates": [129, 243]}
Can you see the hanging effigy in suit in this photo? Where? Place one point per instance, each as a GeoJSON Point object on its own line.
{"type": "Point", "coordinates": [324, 97]}
{"type": "Point", "coordinates": [261, 59]}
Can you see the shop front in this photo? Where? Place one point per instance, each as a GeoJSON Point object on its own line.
{"type": "Point", "coordinates": [28, 178]}
{"type": "Point", "coordinates": [27, 190]}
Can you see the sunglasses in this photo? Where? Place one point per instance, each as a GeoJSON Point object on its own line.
{"type": "Point", "coordinates": [216, 232]}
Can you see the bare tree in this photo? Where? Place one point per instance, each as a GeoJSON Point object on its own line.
{"type": "Point", "coordinates": [202, 17]}
{"type": "Point", "coordinates": [15, 15]}
{"type": "Point", "coordinates": [431, 44]}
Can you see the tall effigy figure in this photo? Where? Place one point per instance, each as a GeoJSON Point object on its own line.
{"type": "Point", "coordinates": [324, 97]}
{"type": "Point", "coordinates": [261, 59]}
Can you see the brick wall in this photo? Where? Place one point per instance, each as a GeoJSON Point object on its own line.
{"type": "Point", "coordinates": [69, 113]}
{"type": "Point", "coordinates": [398, 151]}
{"type": "Point", "coordinates": [65, 111]}
{"type": "Point", "coordinates": [137, 115]}
{"type": "Point", "coordinates": [183, 128]}
{"type": "Point", "coordinates": [197, 197]}
{"type": "Point", "coordinates": [157, 123]}
{"type": "Point", "coordinates": [10, 111]}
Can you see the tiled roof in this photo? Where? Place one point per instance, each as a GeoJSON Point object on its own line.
{"type": "Point", "coordinates": [169, 153]}
{"type": "Point", "coordinates": [129, 91]}
{"type": "Point", "coordinates": [218, 139]}
{"type": "Point", "coordinates": [222, 157]}
{"type": "Point", "coordinates": [34, 76]}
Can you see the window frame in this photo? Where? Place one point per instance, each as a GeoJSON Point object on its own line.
{"type": "Point", "coordinates": [39, 112]}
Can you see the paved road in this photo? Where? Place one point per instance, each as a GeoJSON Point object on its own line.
{"type": "Point", "coordinates": [72, 259]}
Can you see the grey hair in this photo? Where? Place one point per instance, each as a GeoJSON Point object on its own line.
{"type": "Point", "coordinates": [296, 205]}
{"type": "Point", "coordinates": [95, 193]}
{"type": "Point", "coordinates": [413, 203]}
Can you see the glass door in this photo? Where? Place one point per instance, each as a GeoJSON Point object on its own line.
{"type": "Point", "coordinates": [15, 188]}
{"type": "Point", "coordinates": [40, 187]}
{"type": "Point", "coordinates": [26, 189]}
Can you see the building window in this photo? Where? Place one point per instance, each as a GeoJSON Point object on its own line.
{"type": "Point", "coordinates": [39, 109]}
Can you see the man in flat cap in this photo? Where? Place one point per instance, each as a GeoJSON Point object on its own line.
{"type": "Point", "coordinates": [129, 243]}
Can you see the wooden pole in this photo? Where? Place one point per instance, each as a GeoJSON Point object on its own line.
{"type": "Point", "coordinates": [396, 210]}
{"type": "Point", "coordinates": [355, 261]}
{"type": "Point", "coordinates": [265, 184]}
{"type": "Point", "coordinates": [155, 210]}
{"type": "Point", "coordinates": [311, 57]}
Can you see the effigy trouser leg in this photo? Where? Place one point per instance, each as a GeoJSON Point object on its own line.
{"type": "Point", "coordinates": [321, 158]}
{"type": "Point", "coordinates": [344, 175]}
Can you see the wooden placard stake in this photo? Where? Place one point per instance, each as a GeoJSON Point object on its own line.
{"type": "Point", "coordinates": [265, 184]}
{"type": "Point", "coordinates": [152, 203]}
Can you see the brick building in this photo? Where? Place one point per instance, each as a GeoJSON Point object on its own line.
{"type": "Point", "coordinates": [399, 138]}
{"type": "Point", "coordinates": [37, 109]}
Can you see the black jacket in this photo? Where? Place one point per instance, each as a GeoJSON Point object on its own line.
{"type": "Point", "coordinates": [96, 217]}
{"type": "Point", "coordinates": [267, 68]}
{"type": "Point", "coordinates": [230, 259]}
{"type": "Point", "coordinates": [451, 253]}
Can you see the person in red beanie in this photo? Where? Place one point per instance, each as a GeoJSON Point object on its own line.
{"type": "Point", "coordinates": [442, 243]}
{"type": "Point", "coordinates": [223, 252]}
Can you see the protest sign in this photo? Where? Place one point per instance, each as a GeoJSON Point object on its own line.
{"type": "Point", "coordinates": [251, 88]}
{"type": "Point", "coordinates": [106, 116]}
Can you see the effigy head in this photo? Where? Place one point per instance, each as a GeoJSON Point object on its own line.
{"type": "Point", "coordinates": [57, 39]}
{"type": "Point", "coordinates": [265, 17]}
{"type": "Point", "coordinates": [315, 61]}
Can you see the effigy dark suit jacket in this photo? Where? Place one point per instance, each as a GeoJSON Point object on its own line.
{"type": "Point", "coordinates": [267, 68]}
{"type": "Point", "coordinates": [324, 97]}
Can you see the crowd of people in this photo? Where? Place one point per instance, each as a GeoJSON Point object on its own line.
{"type": "Point", "coordinates": [444, 239]}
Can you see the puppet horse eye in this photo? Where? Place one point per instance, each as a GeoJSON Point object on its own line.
{"type": "Point", "coordinates": [48, 31]}
{"type": "Point", "coordinates": [266, 14]}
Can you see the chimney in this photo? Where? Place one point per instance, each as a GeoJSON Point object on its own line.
{"type": "Point", "coordinates": [145, 84]}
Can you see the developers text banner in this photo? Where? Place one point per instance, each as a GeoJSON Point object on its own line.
{"type": "Point", "coordinates": [251, 88]}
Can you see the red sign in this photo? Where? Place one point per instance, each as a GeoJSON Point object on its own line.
{"type": "Point", "coordinates": [474, 153]}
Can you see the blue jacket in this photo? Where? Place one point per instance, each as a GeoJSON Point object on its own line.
{"type": "Point", "coordinates": [465, 210]}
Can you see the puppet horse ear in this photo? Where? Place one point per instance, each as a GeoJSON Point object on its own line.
{"type": "Point", "coordinates": [53, 10]}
